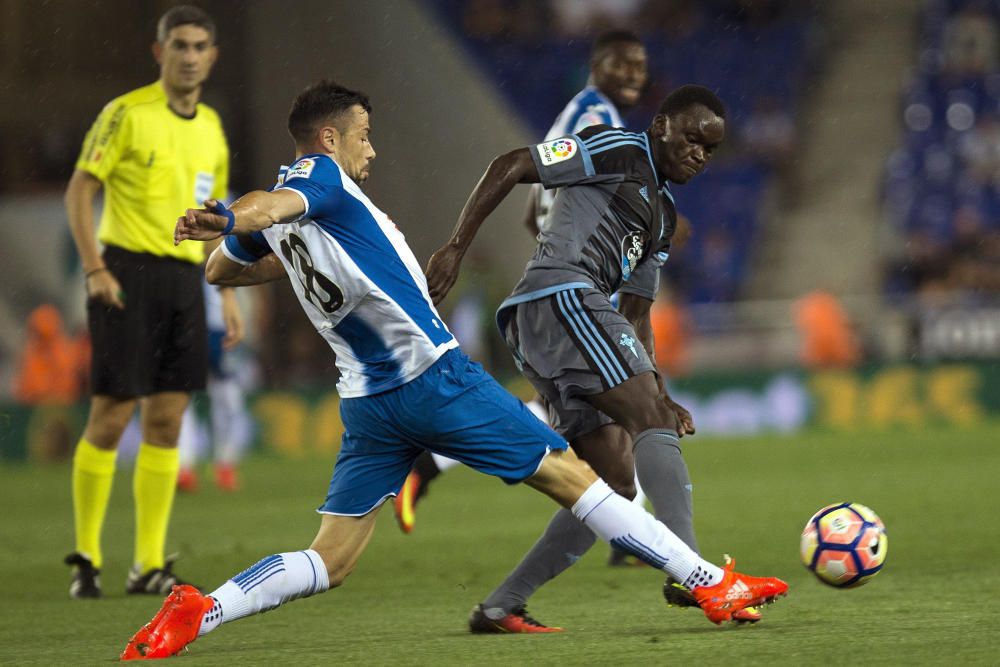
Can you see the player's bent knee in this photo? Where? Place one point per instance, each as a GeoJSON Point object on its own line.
{"type": "Point", "coordinates": [658, 417]}
{"type": "Point", "coordinates": [626, 489]}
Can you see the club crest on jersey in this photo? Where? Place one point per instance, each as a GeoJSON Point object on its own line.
{"type": "Point", "coordinates": [629, 342]}
{"type": "Point", "coordinates": [633, 246]}
{"type": "Point", "coordinates": [301, 169]}
{"type": "Point", "coordinates": [552, 152]}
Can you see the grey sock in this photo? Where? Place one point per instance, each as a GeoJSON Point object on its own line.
{"type": "Point", "coordinates": [564, 541]}
{"type": "Point", "coordinates": [663, 475]}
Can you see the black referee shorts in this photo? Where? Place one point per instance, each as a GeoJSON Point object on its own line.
{"type": "Point", "coordinates": [159, 342]}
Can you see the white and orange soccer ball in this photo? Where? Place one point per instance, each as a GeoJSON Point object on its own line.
{"type": "Point", "coordinates": [844, 545]}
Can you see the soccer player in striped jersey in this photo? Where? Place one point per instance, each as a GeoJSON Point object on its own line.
{"type": "Point", "coordinates": [405, 386]}
{"type": "Point", "coordinates": [609, 231]}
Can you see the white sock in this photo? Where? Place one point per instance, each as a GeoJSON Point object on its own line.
{"type": "Point", "coordinates": [634, 530]}
{"type": "Point", "coordinates": [443, 462]}
{"type": "Point", "coordinates": [187, 439]}
{"type": "Point", "coordinates": [229, 413]}
{"type": "Point", "coordinates": [268, 583]}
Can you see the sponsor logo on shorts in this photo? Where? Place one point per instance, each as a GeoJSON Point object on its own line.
{"type": "Point", "coordinates": [301, 169]}
{"type": "Point", "coordinates": [633, 247]}
{"type": "Point", "coordinates": [552, 152]}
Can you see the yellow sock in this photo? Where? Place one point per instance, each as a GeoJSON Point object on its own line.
{"type": "Point", "coordinates": [153, 485]}
{"type": "Point", "coordinates": [93, 473]}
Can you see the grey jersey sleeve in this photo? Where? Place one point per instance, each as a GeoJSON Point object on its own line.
{"type": "Point", "coordinates": [566, 161]}
{"type": "Point", "coordinates": [645, 280]}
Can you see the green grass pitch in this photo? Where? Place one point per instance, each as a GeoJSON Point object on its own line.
{"type": "Point", "coordinates": [936, 602]}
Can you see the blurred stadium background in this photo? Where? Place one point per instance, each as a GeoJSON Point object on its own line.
{"type": "Point", "coordinates": [845, 264]}
{"type": "Point", "coordinates": [841, 288]}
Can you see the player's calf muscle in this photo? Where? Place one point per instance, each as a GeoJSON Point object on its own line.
{"type": "Point", "coordinates": [562, 477]}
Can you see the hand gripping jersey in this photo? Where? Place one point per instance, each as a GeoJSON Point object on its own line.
{"type": "Point", "coordinates": [611, 221]}
{"type": "Point", "coordinates": [355, 277]}
{"type": "Point", "coordinates": [588, 107]}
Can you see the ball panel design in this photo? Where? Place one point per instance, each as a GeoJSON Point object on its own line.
{"type": "Point", "coordinates": [841, 526]}
{"type": "Point", "coordinates": [844, 545]}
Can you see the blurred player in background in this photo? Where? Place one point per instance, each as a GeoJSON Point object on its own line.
{"type": "Point", "coordinates": [618, 77]}
{"type": "Point", "coordinates": [154, 151]}
{"type": "Point", "coordinates": [609, 231]}
{"type": "Point", "coordinates": [230, 425]}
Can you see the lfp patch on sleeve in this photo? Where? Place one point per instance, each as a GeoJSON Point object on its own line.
{"type": "Point", "coordinates": [301, 169]}
{"type": "Point", "coordinates": [556, 151]}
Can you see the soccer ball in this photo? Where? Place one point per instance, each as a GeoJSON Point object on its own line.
{"type": "Point", "coordinates": [844, 545]}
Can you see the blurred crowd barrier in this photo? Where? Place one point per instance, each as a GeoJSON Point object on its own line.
{"type": "Point", "coordinates": [881, 396]}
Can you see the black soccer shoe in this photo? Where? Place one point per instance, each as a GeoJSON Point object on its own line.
{"type": "Point", "coordinates": [677, 594]}
{"type": "Point", "coordinates": [86, 578]}
{"type": "Point", "coordinates": [158, 581]}
{"type": "Point", "coordinates": [496, 621]}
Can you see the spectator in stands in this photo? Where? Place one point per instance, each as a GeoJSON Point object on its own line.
{"type": "Point", "coordinates": [677, 20]}
{"type": "Point", "coordinates": [828, 340]}
{"type": "Point", "coordinates": [718, 279]}
{"type": "Point", "coordinates": [970, 44]}
{"type": "Point", "coordinates": [50, 366]}
{"type": "Point", "coordinates": [768, 136]}
{"type": "Point", "coordinates": [494, 21]}
{"type": "Point", "coordinates": [576, 18]}
{"type": "Point", "coordinates": [973, 261]}
{"type": "Point", "coordinates": [979, 150]}
{"type": "Point", "coordinates": [923, 261]}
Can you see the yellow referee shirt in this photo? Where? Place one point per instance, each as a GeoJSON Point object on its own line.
{"type": "Point", "coordinates": [154, 164]}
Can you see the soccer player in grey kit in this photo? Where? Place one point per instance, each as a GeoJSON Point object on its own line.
{"type": "Point", "coordinates": [609, 230]}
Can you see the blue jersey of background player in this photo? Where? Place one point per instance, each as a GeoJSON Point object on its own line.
{"type": "Point", "coordinates": [618, 76]}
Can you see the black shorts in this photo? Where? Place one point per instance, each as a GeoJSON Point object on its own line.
{"type": "Point", "coordinates": [159, 342]}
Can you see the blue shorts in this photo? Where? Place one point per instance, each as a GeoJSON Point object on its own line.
{"type": "Point", "coordinates": [453, 408]}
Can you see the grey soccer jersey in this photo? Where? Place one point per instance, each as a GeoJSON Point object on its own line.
{"type": "Point", "coordinates": [612, 219]}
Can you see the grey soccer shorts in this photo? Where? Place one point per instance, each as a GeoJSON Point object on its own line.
{"type": "Point", "coordinates": [573, 344]}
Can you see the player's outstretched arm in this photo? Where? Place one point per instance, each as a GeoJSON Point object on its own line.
{"type": "Point", "coordinates": [500, 178]}
{"type": "Point", "coordinates": [252, 212]}
{"type": "Point", "coordinates": [224, 272]}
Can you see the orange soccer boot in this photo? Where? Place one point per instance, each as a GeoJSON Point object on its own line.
{"type": "Point", "coordinates": [404, 505]}
{"type": "Point", "coordinates": [174, 626]}
{"type": "Point", "coordinates": [736, 592]}
{"type": "Point", "coordinates": [679, 595]}
{"type": "Point", "coordinates": [227, 477]}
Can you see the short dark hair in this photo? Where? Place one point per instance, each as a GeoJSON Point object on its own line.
{"type": "Point", "coordinates": [610, 38]}
{"type": "Point", "coordinates": [184, 15]}
{"type": "Point", "coordinates": [321, 101]}
{"type": "Point", "coordinates": [687, 96]}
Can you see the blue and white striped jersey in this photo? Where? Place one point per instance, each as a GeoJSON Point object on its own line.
{"type": "Point", "coordinates": [588, 107]}
{"type": "Point", "coordinates": [356, 278]}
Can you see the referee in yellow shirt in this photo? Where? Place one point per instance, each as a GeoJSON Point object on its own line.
{"type": "Point", "coordinates": [156, 151]}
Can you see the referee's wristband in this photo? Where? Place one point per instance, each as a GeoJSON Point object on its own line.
{"type": "Point", "coordinates": [221, 209]}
